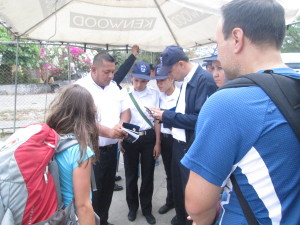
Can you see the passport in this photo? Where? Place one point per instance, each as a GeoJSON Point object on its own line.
{"type": "Point", "coordinates": [132, 130]}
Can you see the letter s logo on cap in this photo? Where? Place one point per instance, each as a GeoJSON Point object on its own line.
{"type": "Point", "coordinates": [143, 68]}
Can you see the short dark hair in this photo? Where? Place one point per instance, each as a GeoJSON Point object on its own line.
{"type": "Point", "coordinates": [261, 20]}
{"type": "Point", "coordinates": [185, 59]}
{"type": "Point", "coordinates": [100, 57]}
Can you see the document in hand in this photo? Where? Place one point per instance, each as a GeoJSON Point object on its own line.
{"type": "Point", "coordinates": [133, 132]}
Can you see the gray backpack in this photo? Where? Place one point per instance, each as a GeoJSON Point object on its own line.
{"type": "Point", "coordinates": [29, 178]}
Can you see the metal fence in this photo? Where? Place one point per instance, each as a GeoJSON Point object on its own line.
{"type": "Point", "coordinates": [30, 75]}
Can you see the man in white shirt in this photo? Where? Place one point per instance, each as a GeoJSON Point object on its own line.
{"type": "Point", "coordinates": [197, 86]}
{"type": "Point", "coordinates": [112, 112]}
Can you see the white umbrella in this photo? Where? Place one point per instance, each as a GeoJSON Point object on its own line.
{"type": "Point", "coordinates": [152, 24]}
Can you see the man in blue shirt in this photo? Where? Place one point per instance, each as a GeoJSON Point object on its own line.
{"type": "Point", "coordinates": [241, 131]}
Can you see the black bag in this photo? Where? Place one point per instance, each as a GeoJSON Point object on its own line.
{"type": "Point", "coordinates": [284, 91]}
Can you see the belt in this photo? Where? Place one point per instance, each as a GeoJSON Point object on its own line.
{"type": "Point", "coordinates": [145, 132]}
{"type": "Point", "coordinates": [180, 142]}
{"type": "Point", "coordinates": [106, 147]}
{"type": "Point", "coordinates": [166, 135]}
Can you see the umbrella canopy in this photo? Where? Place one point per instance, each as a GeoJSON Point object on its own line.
{"type": "Point", "coordinates": [152, 24]}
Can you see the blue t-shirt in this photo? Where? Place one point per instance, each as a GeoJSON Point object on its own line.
{"type": "Point", "coordinates": [67, 162]}
{"type": "Point", "coordinates": [240, 130]}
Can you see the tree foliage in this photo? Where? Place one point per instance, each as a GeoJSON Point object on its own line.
{"type": "Point", "coordinates": [291, 42]}
{"type": "Point", "coordinates": [54, 62]}
{"type": "Point", "coordinates": [28, 59]}
{"type": "Point", "coordinates": [28, 54]}
{"type": "Point", "coordinates": [148, 57]}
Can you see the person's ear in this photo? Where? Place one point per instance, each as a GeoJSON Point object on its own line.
{"type": "Point", "coordinates": [238, 38]}
{"type": "Point", "coordinates": [171, 79]}
{"type": "Point", "coordinates": [181, 63]}
{"type": "Point", "coordinates": [93, 69]}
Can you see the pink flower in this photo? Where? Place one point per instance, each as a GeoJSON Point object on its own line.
{"type": "Point", "coordinates": [88, 61]}
{"type": "Point", "coordinates": [47, 66]}
{"type": "Point", "coordinates": [42, 53]}
{"type": "Point", "coordinates": [76, 51]}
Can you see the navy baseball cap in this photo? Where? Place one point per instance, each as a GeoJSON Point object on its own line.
{"type": "Point", "coordinates": [206, 63]}
{"type": "Point", "coordinates": [159, 76]}
{"type": "Point", "coordinates": [214, 57]}
{"type": "Point", "coordinates": [171, 55]}
{"type": "Point", "coordinates": [141, 70]}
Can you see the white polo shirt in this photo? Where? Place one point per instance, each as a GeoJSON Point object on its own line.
{"type": "Point", "coordinates": [149, 97]}
{"type": "Point", "coordinates": [109, 103]}
{"type": "Point", "coordinates": [166, 103]}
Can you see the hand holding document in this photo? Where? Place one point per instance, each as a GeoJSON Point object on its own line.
{"type": "Point", "coordinates": [133, 132]}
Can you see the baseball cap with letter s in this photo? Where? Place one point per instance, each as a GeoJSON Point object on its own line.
{"type": "Point", "coordinates": [141, 70]}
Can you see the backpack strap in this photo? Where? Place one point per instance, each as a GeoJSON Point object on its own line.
{"type": "Point", "coordinates": [93, 180]}
{"type": "Point", "coordinates": [8, 218]}
{"type": "Point", "coordinates": [2, 209]}
{"type": "Point", "coordinates": [71, 217]}
{"type": "Point", "coordinates": [250, 217]}
{"type": "Point", "coordinates": [140, 111]}
{"type": "Point", "coordinates": [284, 91]}
{"type": "Point", "coordinates": [65, 142]}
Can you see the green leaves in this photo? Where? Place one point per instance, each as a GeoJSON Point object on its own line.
{"type": "Point", "coordinates": [28, 54]}
{"type": "Point", "coordinates": [291, 42]}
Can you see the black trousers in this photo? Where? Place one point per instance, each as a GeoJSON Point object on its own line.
{"type": "Point", "coordinates": [180, 175]}
{"type": "Point", "coordinates": [140, 151]}
{"type": "Point", "coordinates": [105, 172]}
{"type": "Point", "coordinates": [166, 153]}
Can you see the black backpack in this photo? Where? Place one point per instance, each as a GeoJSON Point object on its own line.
{"type": "Point", "coordinates": [284, 91]}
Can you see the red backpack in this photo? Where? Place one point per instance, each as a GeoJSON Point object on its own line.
{"type": "Point", "coordinates": [29, 181]}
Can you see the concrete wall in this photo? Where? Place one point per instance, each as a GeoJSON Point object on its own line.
{"type": "Point", "coordinates": [24, 89]}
